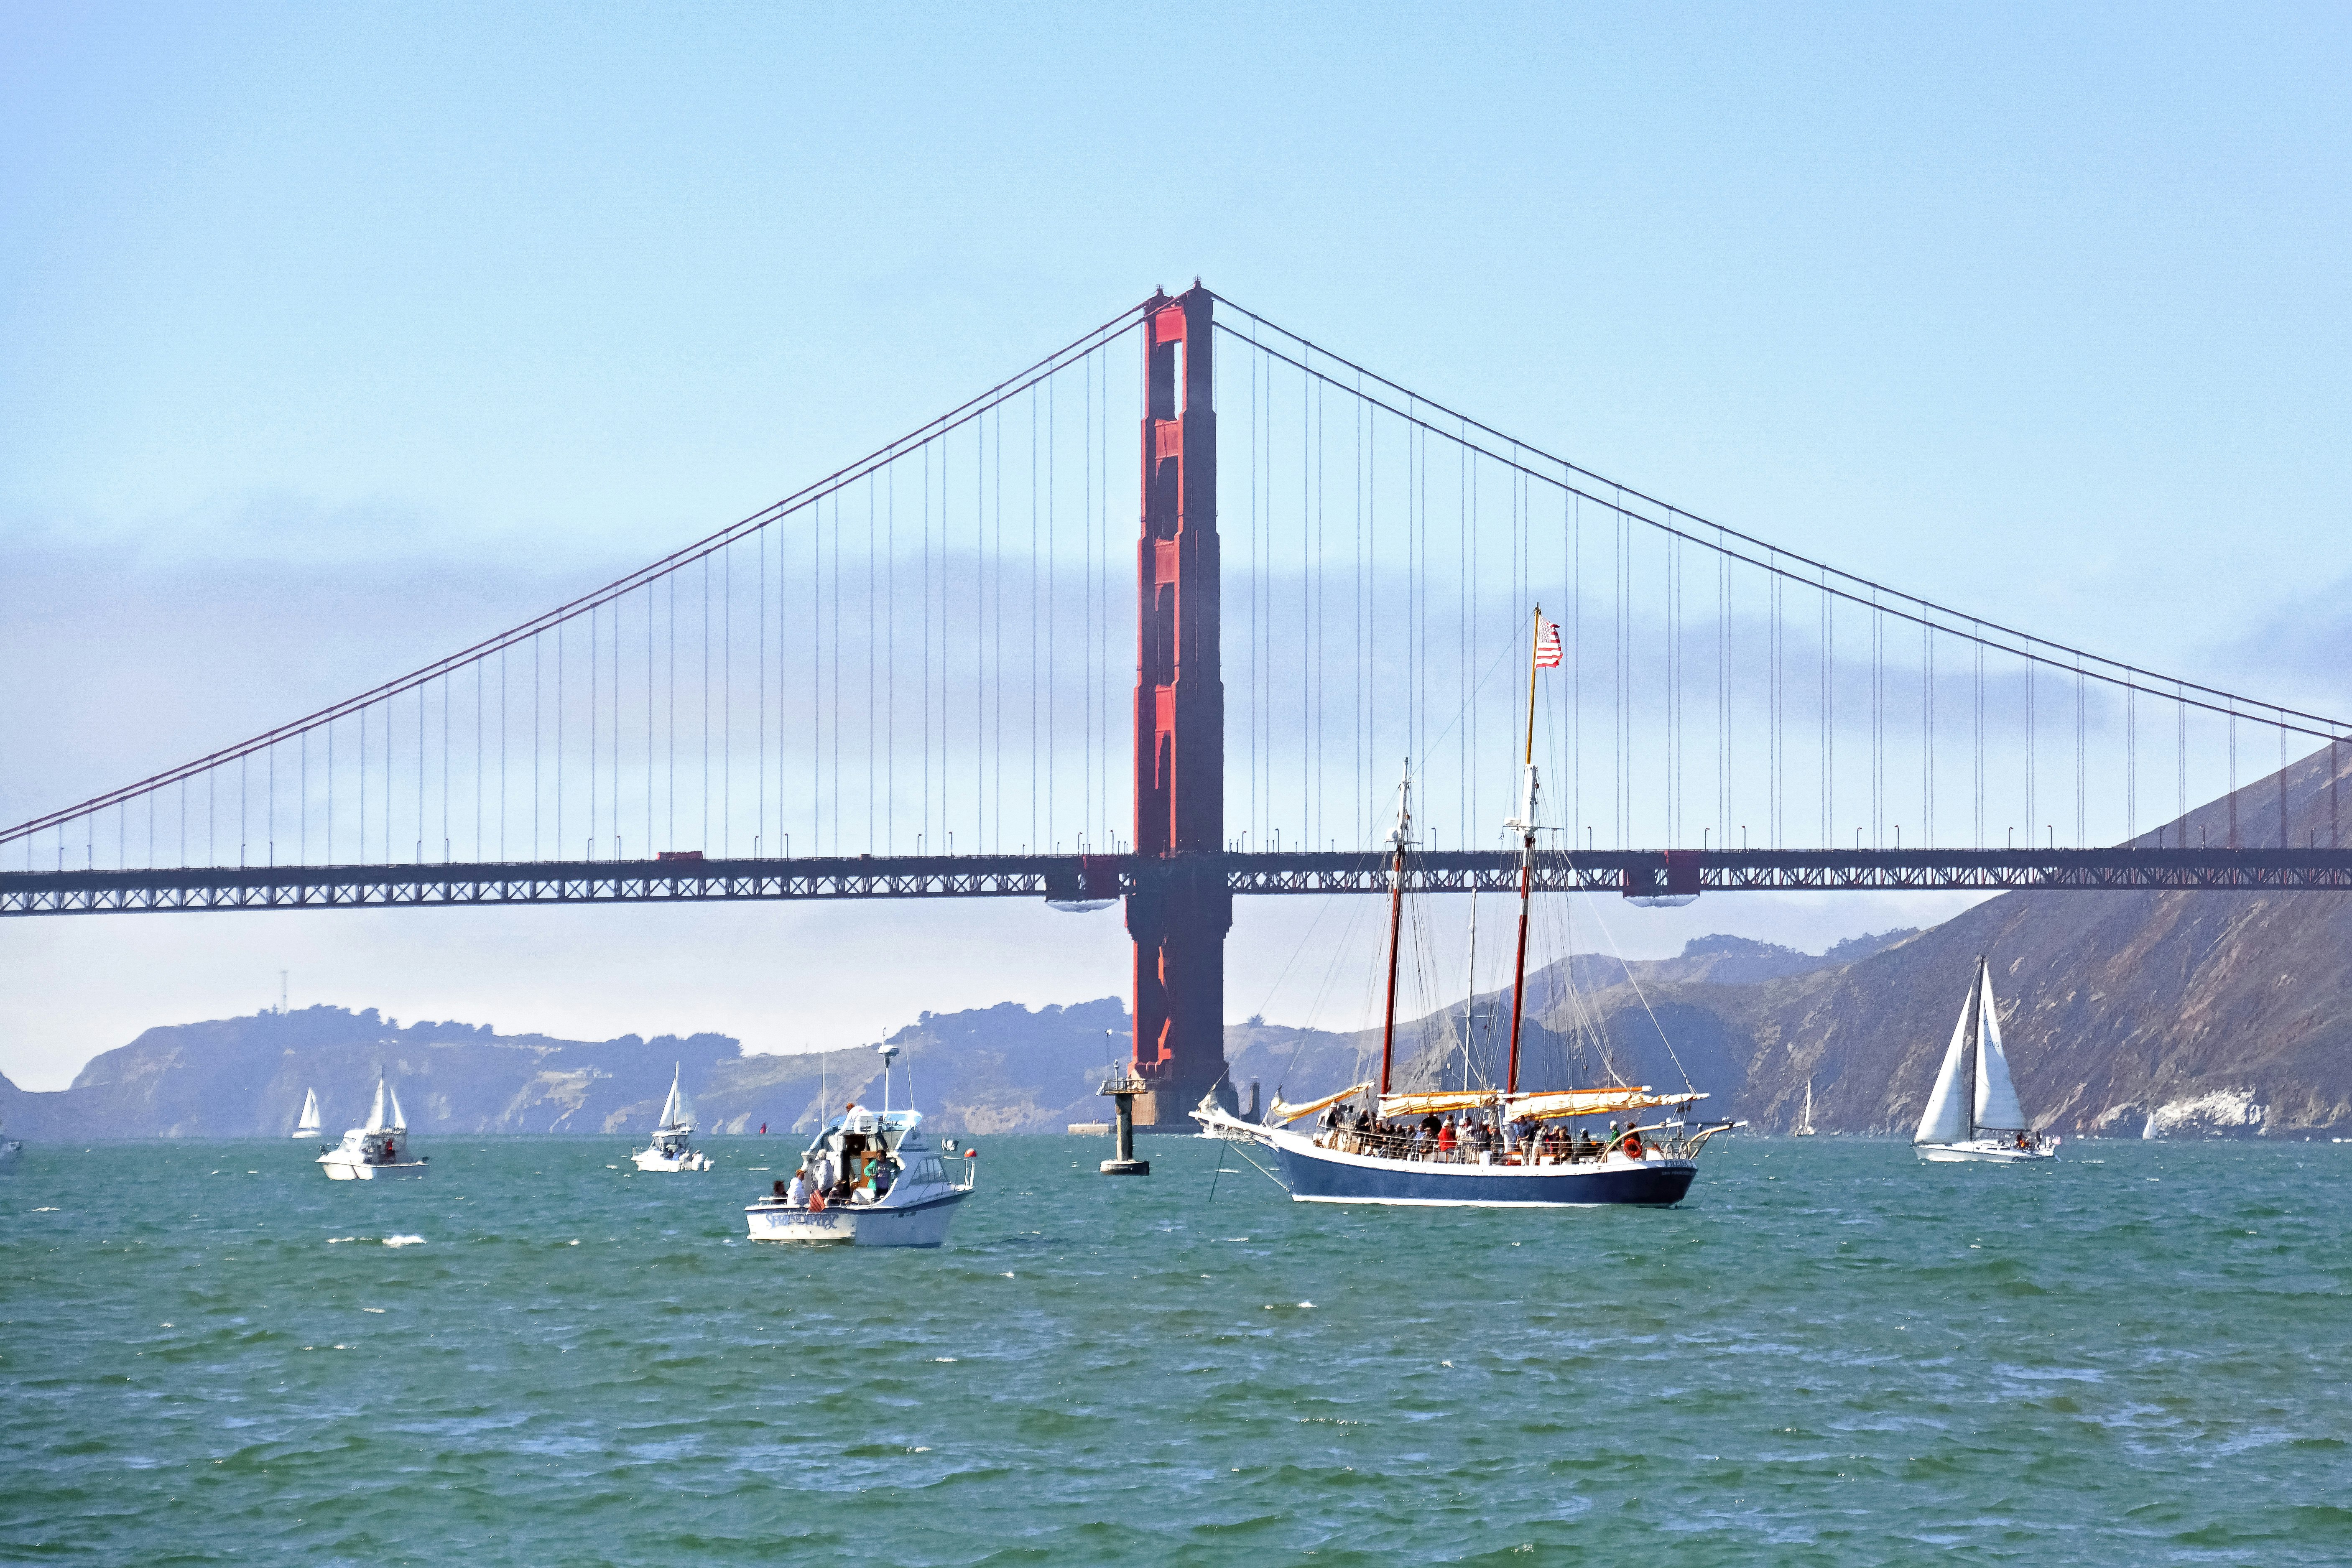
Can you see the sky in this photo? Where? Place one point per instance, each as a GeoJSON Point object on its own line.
{"type": "Point", "coordinates": [339, 337]}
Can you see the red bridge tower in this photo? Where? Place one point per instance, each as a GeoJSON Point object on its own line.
{"type": "Point", "coordinates": [1179, 918]}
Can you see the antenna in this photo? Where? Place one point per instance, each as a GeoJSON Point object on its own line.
{"type": "Point", "coordinates": [886, 1051]}
{"type": "Point", "coordinates": [282, 993]}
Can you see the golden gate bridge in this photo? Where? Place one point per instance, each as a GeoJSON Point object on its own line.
{"type": "Point", "coordinates": [999, 657]}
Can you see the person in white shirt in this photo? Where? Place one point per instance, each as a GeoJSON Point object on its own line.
{"type": "Point", "coordinates": [797, 1195]}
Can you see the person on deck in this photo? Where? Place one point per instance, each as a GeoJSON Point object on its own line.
{"type": "Point", "coordinates": [1446, 1141]}
{"type": "Point", "coordinates": [798, 1195]}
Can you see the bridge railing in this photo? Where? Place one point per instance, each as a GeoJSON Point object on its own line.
{"type": "Point", "coordinates": [1095, 881]}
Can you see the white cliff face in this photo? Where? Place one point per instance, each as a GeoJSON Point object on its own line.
{"type": "Point", "coordinates": [2218, 1113]}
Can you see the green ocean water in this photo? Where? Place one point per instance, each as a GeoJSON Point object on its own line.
{"type": "Point", "coordinates": [1830, 1355]}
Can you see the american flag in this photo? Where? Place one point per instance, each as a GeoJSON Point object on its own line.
{"type": "Point", "coordinates": [1547, 644]}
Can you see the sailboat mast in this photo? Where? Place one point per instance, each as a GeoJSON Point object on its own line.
{"type": "Point", "coordinates": [1527, 826]}
{"type": "Point", "coordinates": [1969, 1057]}
{"type": "Point", "coordinates": [1396, 923]}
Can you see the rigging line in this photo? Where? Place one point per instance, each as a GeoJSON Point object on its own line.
{"type": "Point", "coordinates": [1052, 619]}
{"type": "Point", "coordinates": [866, 614]}
{"type": "Point", "coordinates": [1633, 980]}
{"type": "Point", "coordinates": [924, 823]}
{"type": "Point", "coordinates": [799, 501]}
{"type": "Point", "coordinates": [1862, 586]}
{"type": "Point", "coordinates": [1598, 479]}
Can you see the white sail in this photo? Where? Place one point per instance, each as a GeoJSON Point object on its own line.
{"type": "Point", "coordinates": [375, 1112]}
{"type": "Point", "coordinates": [678, 1111]}
{"type": "Point", "coordinates": [1996, 1095]}
{"type": "Point", "coordinates": [399, 1117]}
{"type": "Point", "coordinates": [309, 1126]}
{"type": "Point", "coordinates": [1946, 1120]}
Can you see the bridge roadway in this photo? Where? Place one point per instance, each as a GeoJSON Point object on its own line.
{"type": "Point", "coordinates": [1072, 877]}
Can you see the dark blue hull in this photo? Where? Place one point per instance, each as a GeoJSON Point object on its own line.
{"type": "Point", "coordinates": [1316, 1176]}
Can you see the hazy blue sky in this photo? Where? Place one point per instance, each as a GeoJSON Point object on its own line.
{"type": "Point", "coordinates": [361, 332]}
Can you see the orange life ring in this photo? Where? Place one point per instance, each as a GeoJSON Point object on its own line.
{"type": "Point", "coordinates": [1632, 1146]}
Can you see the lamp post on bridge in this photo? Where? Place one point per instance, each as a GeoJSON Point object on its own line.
{"type": "Point", "coordinates": [1178, 923]}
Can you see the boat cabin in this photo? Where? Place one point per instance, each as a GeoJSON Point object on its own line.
{"type": "Point", "coordinates": [372, 1145]}
{"type": "Point", "coordinates": [862, 1155]}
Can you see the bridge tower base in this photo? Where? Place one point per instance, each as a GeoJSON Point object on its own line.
{"type": "Point", "coordinates": [1179, 918]}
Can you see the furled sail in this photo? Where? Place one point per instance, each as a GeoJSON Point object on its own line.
{"type": "Point", "coordinates": [1282, 1111]}
{"type": "Point", "coordinates": [1996, 1095]}
{"type": "Point", "coordinates": [1553, 1104]}
{"type": "Point", "coordinates": [1946, 1120]}
{"type": "Point", "coordinates": [678, 1111]}
{"type": "Point", "coordinates": [1421, 1102]}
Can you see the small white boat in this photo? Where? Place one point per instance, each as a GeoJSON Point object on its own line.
{"type": "Point", "coordinates": [872, 1178]}
{"type": "Point", "coordinates": [672, 1147]}
{"type": "Point", "coordinates": [1804, 1128]}
{"type": "Point", "coordinates": [9, 1148]}
{"type": "Point", "coordinates": [1972, 1113]}
{"type": "Point", "coordinates": [375, 1151]}
{"type": "Point", "coordinates": [307, 1126]}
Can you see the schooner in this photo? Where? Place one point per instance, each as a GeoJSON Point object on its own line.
{"type": "Point", "coordinates": [1517, 1147]}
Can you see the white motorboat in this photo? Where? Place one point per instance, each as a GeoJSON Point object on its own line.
{"type": "Point", "coordinates": [377, 1151]}
{"type": "Point", "coordinates": [1972, 1113]}
{"type": "Point", "coordinates": [872, 1178]}
{"type": "Point", "coordinates": [9, 1148]}
{"type": "Point", "coordinates": [672, 1148]}
{"type": "Point", "coordinates": [307, 1126]}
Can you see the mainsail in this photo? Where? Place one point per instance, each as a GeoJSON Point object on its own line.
{"type": "Point", "coordinates": [309, 1125]}
{"type": "Point", "coordinates": [678, 1111]}
{"type": "Point", "coordinates": [1996, 1095]}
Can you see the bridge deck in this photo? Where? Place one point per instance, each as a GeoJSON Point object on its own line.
{"type": "Point", "coordinates": [1071, 878]}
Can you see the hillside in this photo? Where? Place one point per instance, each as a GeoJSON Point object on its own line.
{"type": "Point", "coordinates": [996, 1070]}
{"type": "Point", "coordinates": [2212, 1013]}
{"type": "Point", "coordinates": [2184, 1012]}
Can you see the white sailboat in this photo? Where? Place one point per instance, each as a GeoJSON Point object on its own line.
{"type": "Point", "coordinates": [9, 1147]}
{"type": "Point", "coordinates": [1805, 1122]}
{"type": "Point", "coordinates": [373, 1153]}
{"type": "Point", "coordinates": [309, 1126]}
{"type": "Point", "coordinates": [672, 1148]}
{"type": "Point", "coordinates": [1972, 1113]}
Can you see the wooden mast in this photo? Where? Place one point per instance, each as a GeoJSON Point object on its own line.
{"type": "Point", "coordinates": [1526, 823]}
{"type": "Point", "coordinates": [1396, 923]}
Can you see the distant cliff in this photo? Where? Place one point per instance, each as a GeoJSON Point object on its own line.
{"type": "Point", "coordinates": [2183, 1014]}
{"type": "Point", "coordinates": [2123, 1013]}
{"type": "Point", "coordinates": [998, 1069]}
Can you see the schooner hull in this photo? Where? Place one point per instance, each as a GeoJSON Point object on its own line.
{"type": "Point", "coordinates": [1317, 1175]}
